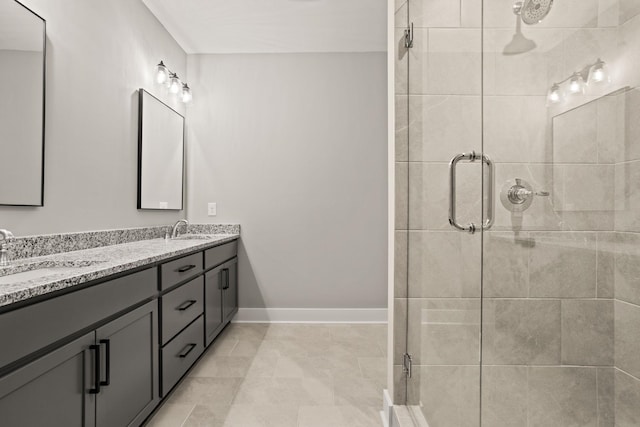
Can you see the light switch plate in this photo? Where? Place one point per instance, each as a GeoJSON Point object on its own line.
{"type": "Point", "coordinates": [212, 210]}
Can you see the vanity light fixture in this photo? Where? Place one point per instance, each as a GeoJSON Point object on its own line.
{"type": "Point", "coordinates": [575, 84]}
{"type": "Point", "coordinates": [555, 94]}
{"type": "Point", "coordinates": [186, 93]}
{"type": "Point", "coordinates": [164, 76]}
{"type": "Point", "coordinates": [599, 73]}
{"type": "Point", "coordinates": [162, 73]}
{"type": "Point", "coordinates": [174, 83]}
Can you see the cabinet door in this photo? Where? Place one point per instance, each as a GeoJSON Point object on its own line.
{"type": "Point", "coordinates": [230, 289]}
{"type": "Point", "coordinates": [213, 284]}
{"type": "Point", "coordinates": [53, 390]}
{"type": "Point", "coordinates": [129, 371]}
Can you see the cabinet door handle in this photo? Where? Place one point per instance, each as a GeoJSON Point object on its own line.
{"type": "Point", "coordinates": [96, 368]}
{"type": "Point", "coordinates": [226, 278]}
{"type": "Point", "coordinates": [107, 368]}
{"type": "Point", "coordinates": [185, 305]}
{"type": "Point", "coordinates": [188, 349]}
{"type": "Point", "coordinates": [186, 268]}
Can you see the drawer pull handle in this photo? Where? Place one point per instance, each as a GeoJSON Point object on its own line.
{"type": "Point", "coordinates": [186, 268]}
{"type": "Point", "coordinates": [96, 368]}
{"type": "Point", "coordinates": [185, 305]}
{"type": "Point", "coordinates": [107, 362]}
{"type": "Point", "coordinates": [188, 349]}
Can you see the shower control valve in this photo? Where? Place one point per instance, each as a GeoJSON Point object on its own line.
{"type": "Point", "coordinates": [517, 195]}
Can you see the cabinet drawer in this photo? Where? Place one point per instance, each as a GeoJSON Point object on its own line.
{"type": "Point", "coordinates": [180, 269]}
{"type": "Point", "coordinates": [181, 306]}
{"type": "Point", "coordinates": [181, 353]}
{"type": "Point", "coordinates": [219, 254]}
{"type": "Point", "coordinates": [31, 328]}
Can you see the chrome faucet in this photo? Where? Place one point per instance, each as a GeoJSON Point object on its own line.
{"type": "Point", "coordinates": [174, 230]}
{"type": "Point", "coordinates": [4, 251]}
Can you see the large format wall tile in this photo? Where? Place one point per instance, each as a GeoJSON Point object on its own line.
{"type": "Point", "coordinates": [562, 396]}
{"type": "Point", "coordinates": [400, 264]}
{"type": "Point", "coordinates": [627, 196]}
{"type": "Point", "coordinates": [506, 265]}
{"type": "Point", "coordinates": [628, 10]}
{"type": "Point", "coordinates": [504, 396]}
{"type": "Point", "coordinates": [515, 129]}
{"type": "Point", "coordinates": [510, 68]}
{"type": "Point", "coordinates": [401, 201]}
{"type": "Point", "coordinates": [402, 129]}
{"type": "Point", "coordinates": [564, 14]}
{"type": "Point", "coordinates": [521, 332]}
{"type": "Point", "coordinates": [444, 331]}
{"type": "Point", "coordinates": [627, 391]}
{"type": "Point", "coordinates": [562, 265]}
{"type": "Point", "coordinates": [450, 395]}
{"type": "Point", "coordinates": [606, 397]}
{"type": "Point", "coordinates": [442, 126]}
{"type": "Point", "coordinates": [627, 344]}
{"type": "Point", "coordinates": [444, 264]}
{"type": "Point", "coordinates": [429, 195]}
{"type": "Point", "coordinates": [449, 64]}
{"type": "Point", "coordinates": [606, 243]}
{"type": "Point", "coordinates": [587, 332]}
{"type": "Point", "coordinates": [435, 13]}
{"type": "Point", "coordinates": [627, 267]}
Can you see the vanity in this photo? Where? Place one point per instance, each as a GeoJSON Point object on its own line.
{"type": "Point", "coordinates": [101, 342]}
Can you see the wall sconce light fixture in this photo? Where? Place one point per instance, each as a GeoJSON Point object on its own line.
{"type": "Point", "coordinates": [575, 84]}
{"type": "Point", "coordinates": [172, 81]}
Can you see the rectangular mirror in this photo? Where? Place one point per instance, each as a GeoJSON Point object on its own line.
{"type": "Point", "coordinates": [160, 154]}
{"type": "Point", "coordinates": [22, 55]}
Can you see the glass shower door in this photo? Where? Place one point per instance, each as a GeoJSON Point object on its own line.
{"type": "Point", "coordinates": [532, 319]}
{"type": "Point", "coordinates": [560, 114]}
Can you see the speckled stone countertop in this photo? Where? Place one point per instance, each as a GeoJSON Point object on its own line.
{"type": "Point", "coordinates": [30, 277]}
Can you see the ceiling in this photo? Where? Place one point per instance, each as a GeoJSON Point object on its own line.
{"type": "Point", "coordinates": [274, 26]}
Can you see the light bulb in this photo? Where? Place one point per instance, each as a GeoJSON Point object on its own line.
{"type": "Point", "coordinates": [186, 93]}
{"type": "Point", "coordinates": [599, 73]}
{"type": "Point", "coordinates": [162, 74]}
{"type": "Point", "coordinates": [576, 84]}
{"type": "Point", "coordinates": [174, 84]}
{"type": "Point", "coordinates": [555, 95]}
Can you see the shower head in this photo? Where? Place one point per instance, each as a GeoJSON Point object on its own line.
{"type": "Point", "coordinates": [532, 11]}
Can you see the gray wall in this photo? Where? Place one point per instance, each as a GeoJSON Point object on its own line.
{"type": "Point", "coordinates": [99, 54]}
{"type": "Point", "coordinates": [293, 147]}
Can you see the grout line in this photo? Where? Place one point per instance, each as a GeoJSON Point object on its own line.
{"type": "Point", "coordinates": [188, 415]}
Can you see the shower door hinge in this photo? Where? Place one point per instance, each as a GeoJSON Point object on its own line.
{"type": "Point", "coordinates": [408, 37]}
{"type": "Point", "coordinates": [406, 364]}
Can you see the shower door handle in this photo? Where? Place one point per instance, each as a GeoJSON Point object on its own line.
{"type": "Point", "coordinates": [471, 157]}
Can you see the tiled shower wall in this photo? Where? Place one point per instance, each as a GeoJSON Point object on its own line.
{"type": "Point", "coordinates": [561, 282]}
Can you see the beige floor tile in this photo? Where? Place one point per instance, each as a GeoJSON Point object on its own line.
{"type": "Point", "coordinates": [262, 416]}
{"type": "Point", "coordinates": [171, 415]}
{"type": "Point", "coordinates": [294, 391]}
{"type": "Point", "coordinates": [338, 416]}
{"type": "Point", "coordinates": [206, 391]}
{"type": "Point", "coordinates": [258, 375]}
{"type": "Point", "coordinates": [222, 367]}
{"type": "Point", "coordinates": [208, 416]}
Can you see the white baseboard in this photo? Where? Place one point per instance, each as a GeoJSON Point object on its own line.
{"type": "Point", "coordinates": [311, 315]}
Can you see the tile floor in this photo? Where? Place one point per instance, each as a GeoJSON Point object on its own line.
{"type": "Point", "coordinates": [298, 375]}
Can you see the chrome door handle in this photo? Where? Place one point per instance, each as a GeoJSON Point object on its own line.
{"type": "Point", "coordinates": [471, 157]}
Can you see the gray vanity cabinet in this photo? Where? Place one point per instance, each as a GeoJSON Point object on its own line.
{"type": "Point", "coordinates": [108, 377]}
{"type": "Point", "coordinates": [129, 368]}
{"type": "Point", "coordinates": [52, 390]}
{"type": "Point", "coordinates": [230, 290]}
{"type": "Point", "coordinates": [213, 284]}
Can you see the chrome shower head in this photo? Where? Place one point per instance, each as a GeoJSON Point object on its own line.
{"type": "Point", "coordinates": [532, 11]}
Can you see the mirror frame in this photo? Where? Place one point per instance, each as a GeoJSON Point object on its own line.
{"type": "Point", "coordinates": [141, 93]}
{"type": "Point", "coordinates": [44, 99]}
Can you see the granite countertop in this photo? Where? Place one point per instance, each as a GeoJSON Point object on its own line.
{"type": "Point", "coordinates": [30, 277]}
